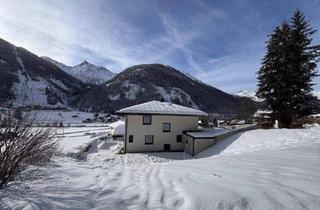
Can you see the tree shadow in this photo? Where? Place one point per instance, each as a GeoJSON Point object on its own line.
{"type": "Point", "coordinates": [214, 150]}
{"type": "Point", "coordinates": [219, 147]}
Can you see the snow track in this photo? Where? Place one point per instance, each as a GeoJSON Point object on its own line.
{"type": "Point", "coordinates": [260, 169]}
{"type": "Point", "coordinates": [141, 185]}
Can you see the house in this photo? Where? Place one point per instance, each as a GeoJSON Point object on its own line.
{"type": "Point", "coordinates": [158, 126]}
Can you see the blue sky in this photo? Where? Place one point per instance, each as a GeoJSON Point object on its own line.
{"type": "Point", "coordinates": [219, 42]}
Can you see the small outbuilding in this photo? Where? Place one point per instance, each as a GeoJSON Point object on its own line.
{"type": "Point", "coordinates": [117, 130]}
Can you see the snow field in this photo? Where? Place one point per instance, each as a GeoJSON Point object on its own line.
{"type": "Point", "coordinates": [51, 116]}
{"type": "Point", "coordinates": [259, 169]}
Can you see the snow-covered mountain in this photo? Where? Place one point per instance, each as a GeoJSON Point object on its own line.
{"type": "Point", "coordinates": [86, 72]}
{"type": "Point", "coordinates": [252, 95]}
{"type": "Point", "coordinates": [249, 94]}
{"type": "Point", "coordinates": [28, 80]}
{"type": "Point", "coordinates": [147, 82]}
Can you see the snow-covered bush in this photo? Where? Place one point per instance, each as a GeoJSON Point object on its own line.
{"type": "Point", "coordinates": [22, 145]}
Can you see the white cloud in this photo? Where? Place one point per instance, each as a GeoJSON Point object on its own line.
{"type": "Point", "coordinates": [206, 41]}
{"type": "Point", "coordinates": [181, 39]}
{"type": "Point", "coordinates": [69, 33]}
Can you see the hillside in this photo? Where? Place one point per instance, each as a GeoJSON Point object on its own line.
{"type": "Point", "coordinates": [86, 72]}
{"type": "Point", "coordinates": [249, 94]}
{"type": "Point", "coordinates": [147, 82]}
{"type": "Point", "coordinates": [28, 80]}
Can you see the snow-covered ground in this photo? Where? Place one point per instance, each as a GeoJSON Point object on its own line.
{"type": "Point", "coordinates": [259, 169]}
{"type": "Point", "coordinates": [64, 116]}
{"type": "Point", "coordinates": [74, 141]}
{"type": "Point", "coordinates": [73, 118]}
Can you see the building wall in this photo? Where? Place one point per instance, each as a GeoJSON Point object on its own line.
{"type": "Point", "coordinates": [195, 146]}
{"type": "Point", "coordinates": [188, 141]}
{"type": "Point", "coordinates": [202, 144]}
{"type": "Point", "coordinates": [135, 127]}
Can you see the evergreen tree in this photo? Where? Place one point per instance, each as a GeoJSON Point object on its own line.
{"type": "Point", "coordinates": [303, 63]}
{"type": "Point", "coordinates": [285, 77]}
{"type": "Point", "coordinates": [274, 72]}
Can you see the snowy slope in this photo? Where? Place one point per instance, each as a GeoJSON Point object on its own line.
{"type": "Point", "coordinates": [28, 80]}
{"type": "Point", "coordinates": [249, 94]}
{"type": "Point", "coordinates": [260, 169]}
{"type": "Point", "coordinates": [35, 93]}
{"type": "Point", "coordinates": [147, 82]}
{"type": "Point", "coordinates": [86, 72]}
{"type": "Point", "coordinates": [252, 94]}
{"type": "Point", "coordinates": [66, 117]}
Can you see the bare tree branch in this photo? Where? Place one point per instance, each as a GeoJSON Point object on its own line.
{"type": "Point", "coordinates": [22, 144]}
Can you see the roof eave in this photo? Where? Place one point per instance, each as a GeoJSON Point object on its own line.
{"type": "Point", "coordinates": [151, 113]}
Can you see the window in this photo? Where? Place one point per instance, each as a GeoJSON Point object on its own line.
{"type": "Point", "coordinates": [146, 119]}
{"type": "Point", "coordinates": [130, 139]}
{"type": "Point", "coordinates": [166, 127]}
{"type": "Point", "coordinates": [148, 139]}
{"type": "Point", "coordinates": [179, 138]}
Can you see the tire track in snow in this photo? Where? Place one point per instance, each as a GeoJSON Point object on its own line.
{"type": "Point", "coordinates": [162, 194]}
{"type": "Point", "coordinates": [144, 188]}
{"type": "Point", "coordinates": [156, 189]}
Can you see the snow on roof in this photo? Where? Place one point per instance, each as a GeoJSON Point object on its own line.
{"type": "Point", "coordinates": [315, 115]}
{"type": "Point", "coordinates": [164, 108]}
{"type": "Point", "coordinates": [206, 133]}
{"type": "Point", "coordinates": [262, 112]}
{"type": "Point", "coordinates": [119, 130]}
{"type": "Point", "coordinates": [116, 124]}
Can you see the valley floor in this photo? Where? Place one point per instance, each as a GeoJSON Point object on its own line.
{"type": "Point", "coordinates": [259, 169]}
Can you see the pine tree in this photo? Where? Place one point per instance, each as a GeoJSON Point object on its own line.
{"type": "Point", "coordinates": [285, 77]}
{"type": "Point", "coordinates": [303, 63]}
{"type": "Point", "coordinates": [274, 72]}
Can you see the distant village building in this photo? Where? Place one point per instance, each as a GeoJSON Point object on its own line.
{"type": "Point", "coordinates": [263, 118]}
{"type": "Point", "coordinates": [159, 126]}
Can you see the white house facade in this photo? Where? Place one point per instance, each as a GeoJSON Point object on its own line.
{"type": "Point", "coordinates": [158, 126]}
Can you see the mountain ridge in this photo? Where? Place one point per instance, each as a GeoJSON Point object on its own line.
{"type": "Point", "coordinates": [146, 82]}
{"type": "Point", "coordinates": [28, 80]}
{"type": "Point", "coordinates": [249, 94]}
{"type": "Point", "coordinates": [86, 72]}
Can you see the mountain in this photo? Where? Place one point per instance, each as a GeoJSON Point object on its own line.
{"type": "Point", "coordinates": [86, 72]}
{"type": "Point", "coordinates": [28, 80]}
{"type": "Point", "coordinates": [148, 82]}
{"type": "Point", "coordinates": [252, 95]}
{"type": "Point", "coordinates": [249, 94]}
